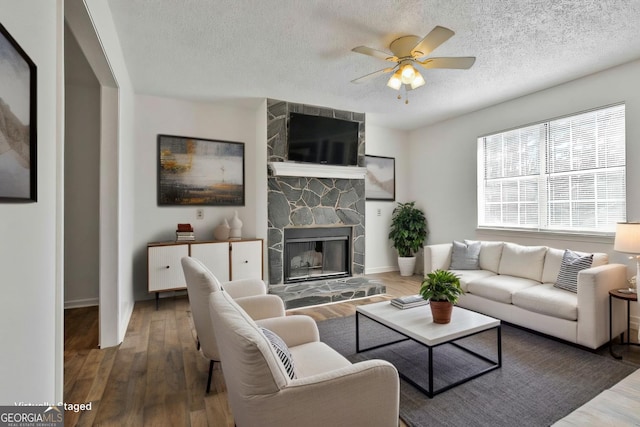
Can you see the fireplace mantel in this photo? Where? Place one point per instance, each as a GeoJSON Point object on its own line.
{"type": "Point", "coordinates": [312, 170]}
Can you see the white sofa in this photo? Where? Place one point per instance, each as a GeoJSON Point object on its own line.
{"type": "Point", "coordinates": [327, 390]}
{"type": "Point", "coordinates": [515, 283]}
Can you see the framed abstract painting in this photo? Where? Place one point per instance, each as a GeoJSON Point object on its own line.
{"type": "Point", "coordinates": [198, 171]}
{"type": "Point", "coordinates": [380, 180]}
{"type": "Point", "coordinates": [18, 125]}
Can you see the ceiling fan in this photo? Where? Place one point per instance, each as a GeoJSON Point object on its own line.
{"type": "Point", "coordinates": [409, 51]}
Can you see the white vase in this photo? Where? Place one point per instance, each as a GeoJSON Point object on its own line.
{"type": "Point", "coordinates": [221, 232]}
{"type": "Point", "coordinates": [407, 265]}
{"type": "Point", "coordinates": [235, 233]}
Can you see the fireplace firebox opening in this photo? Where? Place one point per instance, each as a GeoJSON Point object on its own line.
{"type": "Point", "coordinates": [316, 253]}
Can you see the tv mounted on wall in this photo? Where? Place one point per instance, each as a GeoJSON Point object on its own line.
{"type": "Point", "coordinates": [323, 140]}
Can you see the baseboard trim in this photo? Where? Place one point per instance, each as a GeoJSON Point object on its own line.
{"type": "Point", "coordinates": [375, 270]}
{"type": "Point", "coordinates": [78, 303]}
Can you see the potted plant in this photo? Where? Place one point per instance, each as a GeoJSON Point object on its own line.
{"type": "Point", "coordinates": [408, 233]}
{"type": "Point", "coordinates": [442, 289]}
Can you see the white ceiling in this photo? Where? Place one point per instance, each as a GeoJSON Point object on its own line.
{"type": "Point", "coordinates": [300, 50]}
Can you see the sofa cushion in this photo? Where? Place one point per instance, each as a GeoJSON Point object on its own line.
{"type": "Point", "coordinates": [572, 264]}
{"type": "Point", "coordinates": [490, 254]}
{"type": "Point", "coordinates": [522, 261]}
{"type": "Point", "coordinates": [553, 259]}
{"type": "Point", "coordinates": [499, 288]}
{"type": "Point", "coordinates": [316, 358]}
{"type": "Point", "coordinates": [467, 276]}
{"type": "Point", "coordinates": [282, 351]}
{"type": "Point", "coordinates": [549, 300]}
{"type": "Point", "coordinates": [465, 256]}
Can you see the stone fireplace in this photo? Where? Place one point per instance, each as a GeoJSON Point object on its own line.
{"type": "Point", "coordinates": [305, 201]}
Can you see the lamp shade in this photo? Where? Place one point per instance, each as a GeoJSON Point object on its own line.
{"type": "Point", "coordinates": [627, 237]}
{"type": "Point", "coordinates": [395, 82]}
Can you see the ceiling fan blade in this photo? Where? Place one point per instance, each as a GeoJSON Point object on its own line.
{"type": "Point", "coordinates": [435, 38]}
{"type": "Point", "coordinates": [461, 63]}
{"type": "Point", "coordinates": [372, 75]}
{"type": "Point", "coordinates": [375, 53]}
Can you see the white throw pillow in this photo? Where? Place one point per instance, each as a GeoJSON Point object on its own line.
{"type": "Point", "coordinates": [522, 261]}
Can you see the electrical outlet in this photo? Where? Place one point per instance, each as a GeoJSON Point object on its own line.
{"type": "Point", "coordinates": [200, 214]}
{"type": "Point", "coordinates": [379, 212]}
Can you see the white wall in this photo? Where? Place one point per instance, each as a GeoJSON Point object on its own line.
{"type": "Point", "coordinates": [443, 156]}
{"type": "Point", "coordinates": [153, 223]}
{"type": "Point", "coordinates": [30, 253]}
{"type": "Point", "coordinates": [379, 254]}
{"type": "Point", "coordinates": [82, 179]}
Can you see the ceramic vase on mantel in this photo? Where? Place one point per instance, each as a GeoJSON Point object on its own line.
{"type": "Point", "coordinates": [235, 233]}
{"type": "Point", "coordinates": [222, 231]}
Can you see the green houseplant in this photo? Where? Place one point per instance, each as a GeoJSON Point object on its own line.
{"type": "Point", "coordinates": [408, 233]}
{"type": "Point", "coordinates": [442, 289]}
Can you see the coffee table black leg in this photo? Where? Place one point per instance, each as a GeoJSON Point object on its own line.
{"type": "Point", "coordinates": [357, 332]}
{"type": "Point", "coordinates": [499, 329]}
{"type": "Point", "coordinates": [430, 392]}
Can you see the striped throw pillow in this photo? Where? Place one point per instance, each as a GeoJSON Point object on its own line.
{"type": "Point", "coordinates": [571, 264]}
{"type": "Point", "coordinates": [281, 350]}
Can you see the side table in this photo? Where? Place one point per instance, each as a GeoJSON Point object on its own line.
{"type": "Point", "coordinates": [628, 297]}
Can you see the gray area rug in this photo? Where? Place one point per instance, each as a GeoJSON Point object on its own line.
{"type": "Point", "coordinates": [541, 380]}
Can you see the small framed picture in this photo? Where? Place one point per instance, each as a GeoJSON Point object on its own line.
{"type": "Point", "coordinates": [18, 125]}
{"type": "Point", "coordinates": [380, 180]}
{"type": "Point", "coordinates": [197, 171]}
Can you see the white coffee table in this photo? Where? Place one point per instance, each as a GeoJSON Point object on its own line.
{"type": "Point", "coordinates": [417, 324]}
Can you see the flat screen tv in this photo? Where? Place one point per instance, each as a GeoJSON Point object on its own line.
{"type": "Point", "coordinates": [323, 140]}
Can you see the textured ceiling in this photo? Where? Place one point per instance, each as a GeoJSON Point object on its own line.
{"type": "Point", "coordinates": [300, 50]}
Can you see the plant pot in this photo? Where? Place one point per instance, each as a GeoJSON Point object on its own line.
{"type": "Point", "coordinates": [407, 265]}
{"type": "Point", "coordinates": [441, 311]}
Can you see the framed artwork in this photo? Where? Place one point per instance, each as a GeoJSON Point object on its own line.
{"type": "Point", "coordinates": [18, 125]}
{"type": "Point", "coordinates": [197, 171]}
{"type": "Point", "coordinates": [380, 180]}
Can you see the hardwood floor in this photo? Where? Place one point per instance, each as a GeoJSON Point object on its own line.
{"type": "Point", "coordinates": [156, 377]}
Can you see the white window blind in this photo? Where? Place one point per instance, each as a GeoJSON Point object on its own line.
{"type": "Point", "coordinates": [566, 174]}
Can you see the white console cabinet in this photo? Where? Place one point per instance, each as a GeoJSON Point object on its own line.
{"type": "Point", "coordinates": [227, 260]}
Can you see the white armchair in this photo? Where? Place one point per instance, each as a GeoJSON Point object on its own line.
{"type": "Point", "coordinates": [327, 389]}
{"type": "Point", "coordinates": [251, 294]}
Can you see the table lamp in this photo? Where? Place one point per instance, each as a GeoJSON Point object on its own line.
{"type": "Point", "coordinates": [628, 240]}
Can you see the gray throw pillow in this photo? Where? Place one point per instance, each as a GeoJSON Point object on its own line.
{"type": "Point", "coordinates": [465, 256]}
{"type": "Point", "coordinates": [571, 265]}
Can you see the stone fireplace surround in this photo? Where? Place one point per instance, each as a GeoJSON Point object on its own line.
{"type": "Point", "coordinates": [312, 201]}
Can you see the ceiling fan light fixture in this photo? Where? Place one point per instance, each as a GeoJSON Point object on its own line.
{"type": "Point", "coordinates": [418, 81]}
{"type": "Point", "coordinates": [408, 73]}
{"type": "Point", "coordinates": [395, 82]}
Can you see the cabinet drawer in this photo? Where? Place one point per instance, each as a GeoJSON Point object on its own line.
{"type": "Point", "coordinates": [165, 268]}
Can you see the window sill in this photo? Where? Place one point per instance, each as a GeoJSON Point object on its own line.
{"type": "Point", "coordinates": [606, 238]}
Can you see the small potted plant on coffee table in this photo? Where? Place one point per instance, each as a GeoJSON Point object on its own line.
{"type": "Point", "coordinates": [442, 289]}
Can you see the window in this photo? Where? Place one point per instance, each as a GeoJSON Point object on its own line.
{"type": "Point", "coordinates": [566, 174]}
